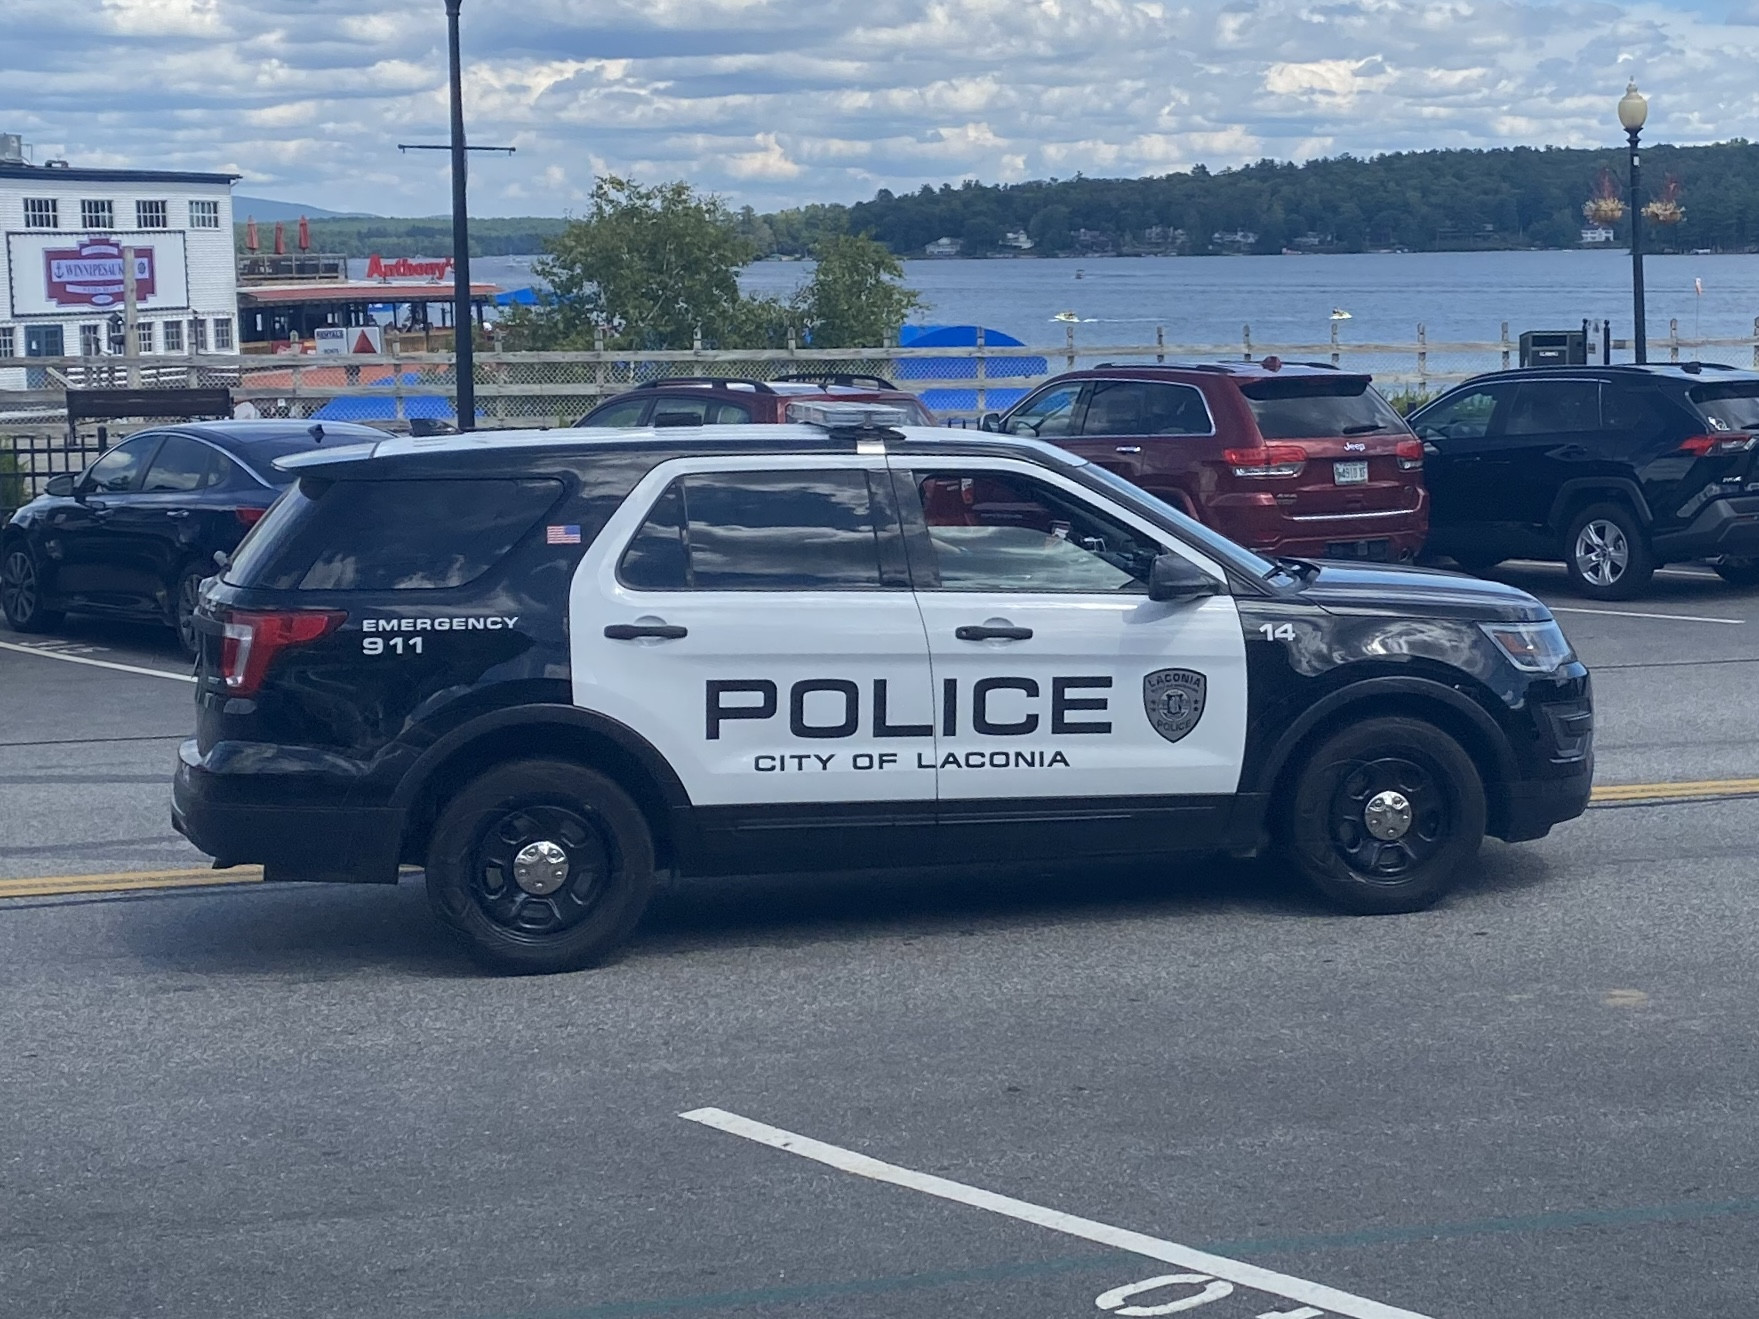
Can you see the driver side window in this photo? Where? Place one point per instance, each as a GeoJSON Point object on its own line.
{"type": "Point", "coordinates": [119, 471]}
{"type": "Point", "coordinates": [996, 531]}
{"type": "Point", "coordinates": [1051, 414]}
{"type": "Point", "coordinates": [1466, 416]}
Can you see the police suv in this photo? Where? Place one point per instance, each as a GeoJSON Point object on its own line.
{"type": "Point", "coordinates": [547, 665]}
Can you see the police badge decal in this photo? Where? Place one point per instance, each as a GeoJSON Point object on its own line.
{"type": "Point", "coordinates": [1173, 699]}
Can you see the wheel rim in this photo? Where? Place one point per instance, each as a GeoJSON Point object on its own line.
{"type": "Point", "coordinates": [18, 586]}
{"type": "Point", "coordinates": [1388, 817]}
{"type": "Point", "coordinates": [540, 870]}
{"type": "Point", "coordinates": [189, 596]}
{"type": "Point", "coordinates": [1602, 552]}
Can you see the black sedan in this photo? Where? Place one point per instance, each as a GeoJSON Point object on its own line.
{"type": "Point", "coordinates": [134, 535]}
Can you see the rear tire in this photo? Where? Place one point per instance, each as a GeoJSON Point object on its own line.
{"type": "Point", "coordinates": [1607, 553]}
{"type": "Point", "coordinates": [1387, 812]}
{"type": "Point", "coordinates": [542, 866]}
{"type": "Point", "coordinates": [1738, 572]}
{"type": "Point", "coordinates": [1477, 564]}
{"type": "Point", "coordinates": [21, 592]}
{"type": "Point", "coordinates": [185, 596]}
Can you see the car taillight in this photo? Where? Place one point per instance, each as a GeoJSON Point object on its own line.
{"type": "Point", "coordinates": [1410, 454]}
{"type": "Point", "coordinates": [1267, 460]}
{"type": "Point", "coordinates": [1706, 445]}
{"type": "Point", "coordinates": [251, 638]}
{"type": "Point", "coordinates": [249, 516]}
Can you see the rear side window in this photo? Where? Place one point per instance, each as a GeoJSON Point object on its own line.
{"type": "Point", "coordinates": [389, 535]}
{"type": "Point", "coordinates": [674, 411]}
{"type": "Point", "coordinates": [626, 413]}
{"type": "Point", "coordinates": [1730, 407]}
{"type": "Point", "coordinates": [1314, 407]}
{"type": "Point", "coordinates": [758, 531]}
{"type": "Point", "coordinates": [181, 466]}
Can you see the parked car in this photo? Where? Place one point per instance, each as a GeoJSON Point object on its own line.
{"type": "Point", "coordinates": [1613, 470]}
{"type": "Point", "coordinates": [1289, 459]}
{"type": "Point", "coordinates": [135, 534]}
{"type": "Point", "coordinates": [718, 401]}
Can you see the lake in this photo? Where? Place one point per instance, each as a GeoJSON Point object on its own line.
{"type": "Point", "coordinates": [1206, 300]}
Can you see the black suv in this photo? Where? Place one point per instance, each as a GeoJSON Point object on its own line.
{"type": "Point", "coordinates": [1614, 470]}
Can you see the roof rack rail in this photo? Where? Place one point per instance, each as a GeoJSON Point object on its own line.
{"type": "Point", "coordinates": [1323, 366]}
{"type": "Point", "coordinates": [664, 381]}
{"type": "Point", "coordinates": [846, 379]}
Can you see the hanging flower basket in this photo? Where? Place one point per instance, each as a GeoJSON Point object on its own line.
{"type": "Point", "coordinates": [1605, 208]}
{"type": "Point", "coordinates": [1666, 209]}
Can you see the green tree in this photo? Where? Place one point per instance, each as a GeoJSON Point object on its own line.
{"type": "Point", "coordinates": [855, 298]}
{"type": "Point", "coordinates": [650, 267]}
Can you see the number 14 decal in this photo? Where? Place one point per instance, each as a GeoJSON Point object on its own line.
{"type": "Point", "coordinates": [1277, 631]}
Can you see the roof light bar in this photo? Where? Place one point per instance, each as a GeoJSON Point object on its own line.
{"type": "Point", "coordinates": [842, 416]}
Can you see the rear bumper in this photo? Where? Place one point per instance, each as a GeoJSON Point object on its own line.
{"type": "Point", "coordinates": [244, 818]}
{"type": "Point", "coordinates": [1257, 521]}
{"type": "Point", "coordinates": [1725, 526]}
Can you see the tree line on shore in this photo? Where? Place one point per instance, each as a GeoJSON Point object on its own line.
{"type": "Point", "coordinates": [1419, 200]}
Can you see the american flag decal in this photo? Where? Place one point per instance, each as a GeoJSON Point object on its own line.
{"type": "Point", "coordinates": [562, 535]}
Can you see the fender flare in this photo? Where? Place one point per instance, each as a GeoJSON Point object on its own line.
{"type": "Point", "coordinates": [1620, 485]}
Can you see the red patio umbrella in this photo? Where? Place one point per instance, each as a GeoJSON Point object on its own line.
{"type": "Point", "coordinates": [251, 242]}
{"type": "Point", "coordinates": [280, 239]}
{"type": "Point", "coordinates": [304, 234]}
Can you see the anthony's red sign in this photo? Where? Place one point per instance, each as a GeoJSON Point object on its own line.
{"type": "Point", "coordinates": [90, 275]}
{"type": "Point", "coordinates": [403, 268]}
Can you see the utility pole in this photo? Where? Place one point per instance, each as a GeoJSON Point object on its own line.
{"type": "Point", "coordinates": [130, 319]}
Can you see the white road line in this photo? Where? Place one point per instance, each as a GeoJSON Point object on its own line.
{"type": "Point", "coordinates": [1666, 618]}
{"type": "Point", "coordinates": [95, 663]}
{"type": "Point", "coordinates": [1215, 1266]}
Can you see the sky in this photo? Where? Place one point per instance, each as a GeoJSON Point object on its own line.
{"type": "Point", "coordinates": [774, 103]}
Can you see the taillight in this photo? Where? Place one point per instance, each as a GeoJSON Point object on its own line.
{"type": "Point", "coordinates": [1410, 454]}
{"type": "Point", "coordinates": [1708, 445]}
{"type": "Point", "coordinates": [251, 638]}
{"type": "Point", "coordinates": [1267, 460]}
{"type": "Point", "coordinates": [249, 516]}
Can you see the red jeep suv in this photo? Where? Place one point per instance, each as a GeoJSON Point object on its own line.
{"type": "Point", "coordinates": [1301, 460]}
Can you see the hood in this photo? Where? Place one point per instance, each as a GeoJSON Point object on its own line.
{"type": "Point", "coordinates": [1386, 588]}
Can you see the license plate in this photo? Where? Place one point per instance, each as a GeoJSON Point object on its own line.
{"type": "Point", "coordinates": [1350, 473]}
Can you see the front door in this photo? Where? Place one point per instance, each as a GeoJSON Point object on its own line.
{"type": "Point", "coordinates": [95, 557]}
{"type": "Point", "coordinates": [1071, 710]}
{"type": "Point", "coordinates": [752, 619]}
{"type": "Point", "coordinates": [1460, 463]}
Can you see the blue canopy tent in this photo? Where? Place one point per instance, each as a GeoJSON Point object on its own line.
{"type": "Point", "coordinates": [424, 407]}
{"type": "Point", "coordinates": [964, 367]}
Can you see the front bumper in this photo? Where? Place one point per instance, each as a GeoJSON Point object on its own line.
{"type": "Point", "coordinates": [245, 818]}
{"type": "Point", "coordinates": [1530, 807]}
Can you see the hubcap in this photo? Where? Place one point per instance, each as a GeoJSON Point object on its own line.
{"type": "Point", "coordinates": [18, 586]}
{"type": "Point", "coordinates": [538, 870]}
{"type": "Point", "coordinates": [540, 867]}
{"type": "Point", "coordinates": [1388, 815]}
{"type": "Point", "coordinates": [1602, 552]}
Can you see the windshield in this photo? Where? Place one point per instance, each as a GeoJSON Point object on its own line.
{"type": "Point", "coordinates": [1304, 407]}
{"type": "Point", "coordinates": [1213, 543]}
{"type": "Point", "coordinates": [1730, 407]}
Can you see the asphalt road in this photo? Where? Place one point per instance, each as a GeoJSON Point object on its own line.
{"type": "Point", "coordinates": [1536, 1099]}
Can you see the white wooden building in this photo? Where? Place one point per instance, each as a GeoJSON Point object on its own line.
{"type": "Point", "coordinates": [65, 228]}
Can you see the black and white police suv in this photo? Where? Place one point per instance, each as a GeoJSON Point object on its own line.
{"type": "Point", "coordinates": [546, 665]}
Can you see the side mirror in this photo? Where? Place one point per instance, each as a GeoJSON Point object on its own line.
{"type": "Point", "coordinates": [60, 486]}
{"type": "Point", "coordinates": [991, 421]}
{"type": "Point", "coordinates": [1174, 577]}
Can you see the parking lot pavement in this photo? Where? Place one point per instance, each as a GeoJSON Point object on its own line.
{"type": "Point", "coordinates": [1537, 1098]}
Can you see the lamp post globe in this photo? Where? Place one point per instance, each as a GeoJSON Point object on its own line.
{"type": "Point", "coordinates": [1633, 114]}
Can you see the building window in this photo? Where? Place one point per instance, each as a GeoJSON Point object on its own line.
{"type": "Point", "coordinates": [174, 336]}
{"type": "Point", "coordinates": [198, 335]}
{"type": "Point", "coordinates": [143, 334]}
{"type": "Point", "coordinates": [42, 213]}
{"type": "Point", "coordinates": [204, 215]}
{"type": "Point", "coordinates": [149, 215]}
{"type": "Point", "coordinates": [91, 340]}
{"type": "Point", "coordinates": [8, 342]}
{"type": "Point", "coordinates": [222, 334]}
{"type": "Point", "coordinates": [96, 215]}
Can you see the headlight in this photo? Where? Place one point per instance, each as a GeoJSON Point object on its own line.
{"type": "Point", "coordinates": [1531, 647]}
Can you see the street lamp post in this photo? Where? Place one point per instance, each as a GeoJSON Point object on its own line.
{"type": "Point", "coordinates": [1633, 111]}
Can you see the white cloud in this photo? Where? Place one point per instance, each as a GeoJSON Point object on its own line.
{"type": "Point", "coordinates": [773, 103]}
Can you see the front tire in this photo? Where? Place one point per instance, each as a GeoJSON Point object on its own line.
{"type": "Point", "coordinates": [21, 592]}
{"type": "Point", "coordinates": [1387, 812]}
{"type": "Point", "coordinates": [542, 866]}
{"type": "Point", "coordinates": [1607, 553]}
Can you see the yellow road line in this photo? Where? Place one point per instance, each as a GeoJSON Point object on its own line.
{"type": "Point", "coordinates": [1625, 793]}
{"type": "Point", "coordinates": [45, 886]}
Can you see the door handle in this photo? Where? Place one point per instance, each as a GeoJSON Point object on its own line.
{"type": "Point", "coordinates": [637, 631]}
{"type": "Point", "coordinates": [1129, 448]}
{"type": "Point", "coordinates": [177, 512]}
{"type": "Point", "coordinates": [984, 632]}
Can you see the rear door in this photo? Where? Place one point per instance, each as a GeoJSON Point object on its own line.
{"type": "Point", "coordinates": [1551, 434]}
{"type": "Point", "coordinates": [163, 526]}
{"type": "Point", "coordinates": [1148, 431]}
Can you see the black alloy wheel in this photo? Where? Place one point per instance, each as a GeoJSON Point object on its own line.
{"type": "Point", "coordinates": [1387, 812]}
{"type": "Point", "coordinates": [184, 601]}
{"type": "Point", "coordinates": [21, 592]}
{"type": "Point", "coordinates": [542, 865]}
